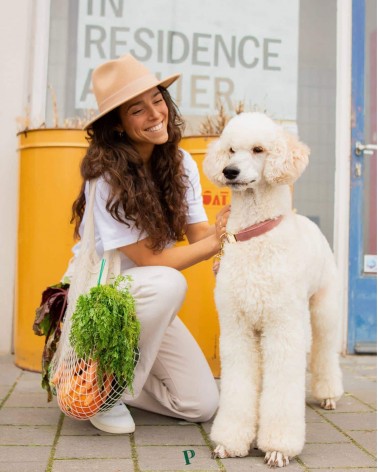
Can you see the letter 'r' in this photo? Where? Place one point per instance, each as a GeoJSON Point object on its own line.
{"type": "Point", "coordinates": [188, 454]}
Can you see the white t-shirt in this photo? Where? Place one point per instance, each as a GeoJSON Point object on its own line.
{"type": "Point", "coordinates": [111, 234]}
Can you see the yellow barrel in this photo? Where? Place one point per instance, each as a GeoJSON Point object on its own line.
{"type": "Point", "coordinates": [49, 183]}
{"type": "Point", "coordinates": [198, 312]}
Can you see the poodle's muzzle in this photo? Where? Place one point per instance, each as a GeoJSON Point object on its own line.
{"type": "Point", "coordinates": [234, 178]}
{"type": "Point", "coordinates": [231, 172]}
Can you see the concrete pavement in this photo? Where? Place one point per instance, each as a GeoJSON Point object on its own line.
{"type": "Point", "coordinates": [36, 437]}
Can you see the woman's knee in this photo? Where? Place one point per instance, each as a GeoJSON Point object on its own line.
{"type": "Point", "coordinates": [205, 406]}
{"type": "Point", "coordinates": [160, 281]}
{"type": "Point", "coordinates": [209, 405]}
{"type": "Point", "coordinates": [171, 279]}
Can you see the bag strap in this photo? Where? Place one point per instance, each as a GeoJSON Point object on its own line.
{"type": "Point", "coordinates": [88, 232]}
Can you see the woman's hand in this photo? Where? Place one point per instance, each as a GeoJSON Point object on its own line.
{"type": "Point", "coordinates": [221, 221]}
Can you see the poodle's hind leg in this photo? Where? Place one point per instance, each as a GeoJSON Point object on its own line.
{"type": "Point", "coordinates": [326, 382]}
{"type": "Point", "coordinates": [234, 427]}
{"type": "Point", "coordinates": [281, 432]}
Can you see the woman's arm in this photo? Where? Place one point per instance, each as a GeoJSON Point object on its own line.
{"type": "Point", "coordinates": [177, 257]}
{"type": "Point", "coordinates": [204, 242]}
{"type": "Point", "coordinates": [197, 231]}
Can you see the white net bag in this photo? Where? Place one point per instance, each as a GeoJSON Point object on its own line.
{"type": "Point", "coordinates": [82, 384]}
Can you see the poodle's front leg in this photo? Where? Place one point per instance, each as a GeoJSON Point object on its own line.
{"type": "Point", "coordinates": [234, 427]}
{"type": "Point", "coordinates": [282, 403]}
{"type": "Point", "coordinates": [326, 373]}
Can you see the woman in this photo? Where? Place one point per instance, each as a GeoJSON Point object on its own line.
{"type": "Point", "coordinates": [148, 195]}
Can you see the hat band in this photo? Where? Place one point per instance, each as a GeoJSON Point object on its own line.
{"type": "Point", "coordinates": [129, 91]}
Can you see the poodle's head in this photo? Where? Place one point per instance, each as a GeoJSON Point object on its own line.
{"type": "Point", "coordinates": [251, 150]}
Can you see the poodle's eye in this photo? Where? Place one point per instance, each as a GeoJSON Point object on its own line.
{"type": "Point", "coordinates": [257, 149]}
{"type": "Point", "coordinates": [231, 151]}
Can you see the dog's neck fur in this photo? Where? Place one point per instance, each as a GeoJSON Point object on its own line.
{"type": "Point", "coordinates": [262, 203]}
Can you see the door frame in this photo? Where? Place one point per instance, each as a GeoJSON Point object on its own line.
{"type": "Point", "coordinates": [342, 162]}
{"type": "Point", "coordinates": [359, 283]}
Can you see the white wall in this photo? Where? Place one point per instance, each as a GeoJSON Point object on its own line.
{"type": "Point", "coordinates": [15, 28]}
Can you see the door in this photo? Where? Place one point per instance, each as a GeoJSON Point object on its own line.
{"type": "Point", "coordinates": [362, 325]}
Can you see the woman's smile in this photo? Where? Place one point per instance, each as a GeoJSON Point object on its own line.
{"type": "Point", "coordinates": [145, 121]}
{"type": "Point", "coordinates": [155, 128]}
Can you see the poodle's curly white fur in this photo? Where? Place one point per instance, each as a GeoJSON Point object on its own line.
{"type": "Point", "coordinates": [265, 288]}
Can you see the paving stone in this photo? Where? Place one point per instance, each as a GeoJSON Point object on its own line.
{"type": "Point", "coordinates": [96, 465]}
{"type": "Point", "coordinates": [255, 461]}
{"type": "Point", "coordinates": [72, 427]}
{"type": "Point", "coordinates": [104, 447]}
{"type": "Point", "coordinates": [323, 433]}
{"type": "Point", "coordinates": [30, 399]}
{"type": "Point", "coordinates": [8, 454]}
{"type": "Point", "coordinates": [335, 455]}
{"type": "Point", "coordinates": [169, 435]}
{"type": "Point", "coordinates": [370, 469]}
{"type": "Point", "coordinates": [9, 375]}
{"type": "Point", "coordinates": [367, 439]}
{"type": "Point", "coordinates": [34, 466]}
{"type": "Point", "coordinates": [27, 435]}
{"type": "Point", "coordinates": [207, 427]}
{"type": "Point", "coordinates": [349, 404]}
{"type": "Point", "coordinates": [6, 359]}
{"type": "Point", "coordinates": [354, 421]}
{"type": "Point", "coordinates": [353, 383]}
{"type": "Point", "coordinates": [367, 396]}
{"type": "Point", "coordinates": [4, 390]}
{"type": "Point", "coordinates": [313, 417]}
{"type": "Point", "coordinates": [166, 458]}
{"type": "Point", "coordinates": [29, 382]}
{"type": "Point", "coordinates": [29, 416]}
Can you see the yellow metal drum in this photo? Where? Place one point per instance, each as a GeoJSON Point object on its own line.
{"type": "Point", "coordinates": [49, 183]}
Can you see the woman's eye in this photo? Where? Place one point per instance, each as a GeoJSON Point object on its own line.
{"type": "Point", "coordinates": [257, 149]}
{"type": "Point", "coordinates": [158, 101]}
{"type": "Point", "coordinates": [137, 112]}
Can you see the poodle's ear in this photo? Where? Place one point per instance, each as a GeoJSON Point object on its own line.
{"type": "Point", "coordinates": [212, 164]}
{"type": "Point", "coordinates": [286, 161]}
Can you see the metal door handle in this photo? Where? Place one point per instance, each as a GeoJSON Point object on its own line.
{"type": "Point", "coordinates": [366, 149]}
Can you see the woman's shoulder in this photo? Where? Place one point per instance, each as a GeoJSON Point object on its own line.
{"type": "Point", "coordinates": [188, 161]}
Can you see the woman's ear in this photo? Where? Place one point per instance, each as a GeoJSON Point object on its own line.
{"type": "Point", "coordinates": [286, 161]}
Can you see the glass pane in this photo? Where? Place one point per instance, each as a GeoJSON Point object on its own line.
{"type": "Point", "coordinates": [370, 160]}
{"type": "Point", "coordinates": [278, 56]}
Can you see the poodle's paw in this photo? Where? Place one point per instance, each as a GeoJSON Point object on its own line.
{"type": "Point", "coordinates": [222, 453]}
{"type": "Point", "coordinates": [328, 404]}
{"type": "Point", "coordinates": [276, 459]}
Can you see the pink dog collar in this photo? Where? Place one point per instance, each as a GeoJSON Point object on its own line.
{"type": "Point", "coordinates": [253, 231]}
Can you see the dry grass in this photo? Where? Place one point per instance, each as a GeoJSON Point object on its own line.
{"type": "Point", "coordinates": [214, 125]}
{"type": "Point", "coordinates": [25, 123]}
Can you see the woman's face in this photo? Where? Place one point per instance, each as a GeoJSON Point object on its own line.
{"type": "Point", "coordinates": [145, 120]}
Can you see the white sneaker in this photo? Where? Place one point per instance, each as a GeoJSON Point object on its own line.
{"type": "Point", "coordinates": [118, 420]}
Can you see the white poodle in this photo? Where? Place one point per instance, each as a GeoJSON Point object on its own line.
{"type": "Point", "coordinates": [276, 267]}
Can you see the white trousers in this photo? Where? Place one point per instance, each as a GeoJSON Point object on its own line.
{"type": "Point", "coordinates": [172, 377]}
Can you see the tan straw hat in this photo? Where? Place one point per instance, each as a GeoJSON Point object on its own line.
{"type": "Point", "coordinates": [117, 81]}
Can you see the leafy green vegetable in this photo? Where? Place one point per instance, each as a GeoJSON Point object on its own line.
{"type": "Point", "coordinates": [106, 329]}
{"type": "Point", "coordinates": [47, 322]}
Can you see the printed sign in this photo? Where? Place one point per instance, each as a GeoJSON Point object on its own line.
{"type": "Point", "coordinates": [228, 52]}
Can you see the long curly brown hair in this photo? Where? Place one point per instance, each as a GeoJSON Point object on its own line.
{"type": "Point", "coordinates": [154, 200]}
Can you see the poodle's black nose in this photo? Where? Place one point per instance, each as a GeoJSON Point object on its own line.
{"type": "Point", "coordinates": [231, 172]}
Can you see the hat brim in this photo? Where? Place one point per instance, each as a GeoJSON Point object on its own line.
{"type": "Point", "coordinates": [164, 83]}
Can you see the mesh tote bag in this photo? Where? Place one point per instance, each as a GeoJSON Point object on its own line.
{"type": "Point", "coordinates": [81, 388]}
